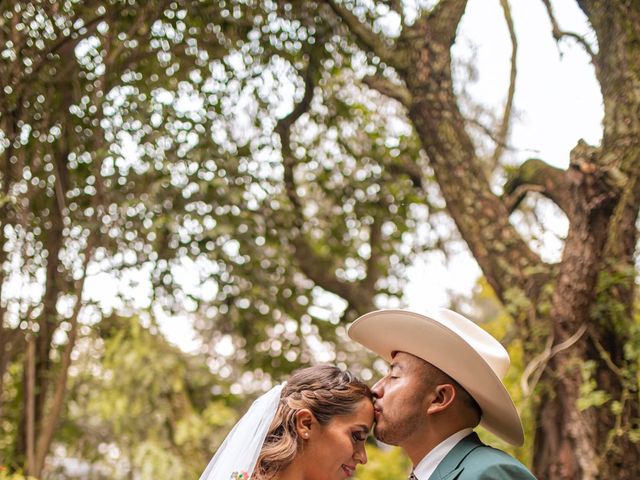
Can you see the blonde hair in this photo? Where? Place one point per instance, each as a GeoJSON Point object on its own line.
{"type": "Point", "coordinates": [326, 391]}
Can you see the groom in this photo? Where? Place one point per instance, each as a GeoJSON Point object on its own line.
{"type": "Point", "coordinates": [445, 378]}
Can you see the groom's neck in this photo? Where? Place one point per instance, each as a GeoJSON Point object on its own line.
{"type": "Point", "coordinates": [422, 442]}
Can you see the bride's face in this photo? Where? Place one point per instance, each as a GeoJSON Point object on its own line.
{"type": "Point", "coordinates": [333, 450]}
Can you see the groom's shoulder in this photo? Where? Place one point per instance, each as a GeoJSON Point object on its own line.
{"type": "Point", "coordinates": [489, 463]}
{"type": "Point", "coordinates": [488, 453]}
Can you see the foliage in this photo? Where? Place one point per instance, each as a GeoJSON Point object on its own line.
{"type": "Point", "coordinates": [5, 475]}
{"type": "Point", "coordinates": [135, 394]}
{"type": "Point", "coordinates": [495, 319]}
{"type": "Point", "coordinates": [241, 165]}
{"type": "Point", "coordinates": [162, 157]}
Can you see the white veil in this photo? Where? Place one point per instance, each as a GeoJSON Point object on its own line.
{"type": "Point", "coordinates": [239, 451]}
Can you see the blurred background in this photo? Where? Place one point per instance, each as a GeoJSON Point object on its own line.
{"type": "Point", "coordinates": [197, 197]}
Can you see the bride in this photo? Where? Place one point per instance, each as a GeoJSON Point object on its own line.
{"type": "Point", "coordinates": [312, 427]}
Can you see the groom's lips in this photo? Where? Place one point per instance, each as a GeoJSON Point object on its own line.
{"type": "Point", "coordinates": [377, 412]}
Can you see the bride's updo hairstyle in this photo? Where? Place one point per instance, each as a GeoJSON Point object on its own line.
{"type": "Point", "coordinates": [326, 391]}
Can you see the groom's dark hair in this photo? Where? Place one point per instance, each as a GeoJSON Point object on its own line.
{"type": "Point", "coordinates": [434, 376]}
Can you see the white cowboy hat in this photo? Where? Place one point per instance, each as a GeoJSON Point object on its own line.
{"type": "Point", "coordinates": [458, 347]}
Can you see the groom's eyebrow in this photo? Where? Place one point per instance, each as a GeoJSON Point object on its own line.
{"type": "Point", "coordinates": [394, 366]}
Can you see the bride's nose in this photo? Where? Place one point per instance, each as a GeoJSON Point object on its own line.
{"type": "Point", "coordinates": [360, 455]}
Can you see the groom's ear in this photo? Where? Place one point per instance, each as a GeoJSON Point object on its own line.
{"type": "Point", "coordinates": [304, 422]}
{"type": "Point", "coordinates": [442, 398]}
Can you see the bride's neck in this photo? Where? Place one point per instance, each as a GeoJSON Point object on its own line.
{"type": "Point", "coordinates": [292, 472]}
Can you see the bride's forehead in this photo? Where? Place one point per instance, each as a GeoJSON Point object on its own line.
{"type": "Point", "coordinates": [362, 419]}
{"type": "Point", "coordinates": [362, 414]}
{"type": "Point", "coordinates": [364, 409]}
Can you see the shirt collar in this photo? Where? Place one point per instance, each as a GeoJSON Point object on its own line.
{"type": "Point", "coordinates": [430, 462]}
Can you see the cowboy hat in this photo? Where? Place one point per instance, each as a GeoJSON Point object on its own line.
{"type": "Point", "coordinates": [458, 347]}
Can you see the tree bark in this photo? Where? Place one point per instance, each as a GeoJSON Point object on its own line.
{"type": "Point", "coordinates": [6, 217]}
{"type": "Point", "coordinates": [30, 407]}
{"type": "Point", "coordinates": [54, 284]}
{"type": "Point", "coordinates": [575, 446]}
{"type": "Point", "coordinates": [588, 404]}
{"type": "Point", "coordinates": [53, 414]}
{"type": "Point", "coordinates": [481, 217]}
{"type": "Point", "coordinates": [597, 282]}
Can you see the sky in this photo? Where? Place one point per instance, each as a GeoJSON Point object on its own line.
{"type": "Point", "coordinates": [557, 102]}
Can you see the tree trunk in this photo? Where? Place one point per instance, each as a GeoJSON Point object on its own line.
{"type": "Point", "coordinates": [587, 408]}
{"type": "Point", "coordinates": [567, 445]}
{"type": "Point", "coordinates": [48, 321]}
{"type": "Point", "coordinates": [30, 407]}
{"type": "Point", "coordinates": [6, 216]}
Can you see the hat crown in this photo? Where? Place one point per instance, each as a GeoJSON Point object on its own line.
{"type": "Point", "coordinates": [458, 347]}
{"type": "Point", "coordinates": [490, 349]}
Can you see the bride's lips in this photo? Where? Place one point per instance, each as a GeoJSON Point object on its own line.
{"type": "Point", "coordinates": [348, 470]}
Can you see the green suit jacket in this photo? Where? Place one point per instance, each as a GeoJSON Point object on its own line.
{"type": "Point", "coordinates": [471, 459]}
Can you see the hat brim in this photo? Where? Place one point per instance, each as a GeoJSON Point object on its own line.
{"type": "Point", "coordinates": [387, 331]}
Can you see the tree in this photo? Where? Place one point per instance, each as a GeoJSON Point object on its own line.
{"type": "Point", "coordinates": [581, 309]}
{"type": "Point", "coordinates": [72, 83]}
{"type": "Point", "coordinates": [163, 78]}
{"type": "Point", "coordinates": [291, 153]}
{"type": "Point", "coordinates": [135, 394]}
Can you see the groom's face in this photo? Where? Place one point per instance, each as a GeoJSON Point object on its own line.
{"type": "Point", "coordinates": [401, 396]}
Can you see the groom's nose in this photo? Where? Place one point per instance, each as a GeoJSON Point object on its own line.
{"type": "Point", "coordinates": [377, 389]}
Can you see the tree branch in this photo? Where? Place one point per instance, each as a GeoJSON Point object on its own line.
{"type": "Point", "coordinates": [367, 39]}
{"type": "Point", "coordinates": [503, 132]}
{"type": "Point", "coordinates": [12, 341]}
{"type": "Point", "coordinates": [534, 175]}
{"type": "Point", "coordinates": [403, 165]}
{"type": "Point", "coordinates": [309, 261]}
{"type": "Point", "coordinates": [53, 416]}
{"type": "Point", "coordinates": [90, 27]}
{"type": "Point", "coordinates": [314, 266]}
{"type": "Point", "coordinates": [481, 217]}
{"type": "Point", "coordinates": [488, 132]}
{"type": "Point", "coordinates": [373, 262]}
{"type": "Point", "coordinates": [386, 87]}
{"type": "Point", "coordinates": [558, 33]}
{"type": "Point", "coordinates": [30, 364]}
{"type": "Point", "coordinates": [283, 127]}
{"type": "Point", "coordinates": [445, 18]}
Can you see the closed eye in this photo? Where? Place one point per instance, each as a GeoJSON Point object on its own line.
{"type": "Point", "coordinates": [359, 436]}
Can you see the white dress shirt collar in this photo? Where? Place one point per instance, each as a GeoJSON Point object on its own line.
{"type": "Point", "coordinates": [430, 462]}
